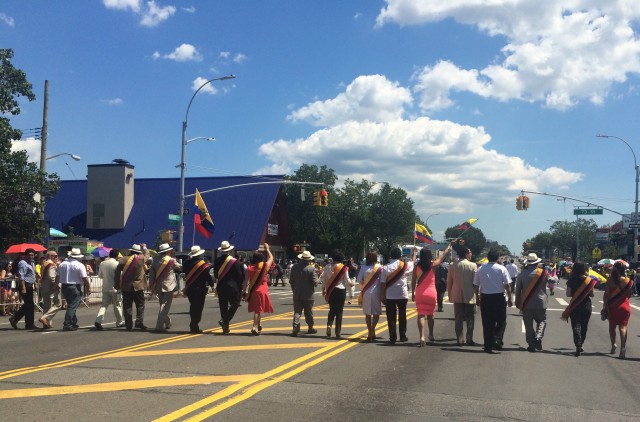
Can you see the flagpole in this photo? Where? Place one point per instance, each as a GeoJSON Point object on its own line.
{"type": "Point", "coordinates": [193, 239]}
{"type": "Point", "coordinates": [414, 234]}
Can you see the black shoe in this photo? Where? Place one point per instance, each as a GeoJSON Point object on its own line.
{"type": "Point", "coordinates": [531, 349]}
{"type": "Point", "coordinates": [328, 331]}
{"type": "Point", "coordinates": [221, 323]}
{"type": "Point", "coordinates": [76, 326]}
{"type": "Point", "coordinates": [439, 309]}
{"type": "Point", "coordinates": [490, 352]}
{"type": "Point", "coordinates": [98, 326]}
{"type": "Point", "coordinates": [538, 344]}
{"type": "Point", "coordinates": [225, 329]}
{"type": "Point", "coordinates": [578, 351]}
{"type": "Point", "coordinates": [294, 334]}
{"type": "Point", "coordinates": [392, 341]}
{"type": "Point", "coordinates": [312, 331]}
{"type": "Point", "coordinates": [13, 323]}
{"type": "Point", "coordinates": [195, 331]}
{"type": "Point", "coordinates": [403, 339]}
{"type": "Point", "coordinates": [498, 345]}
{"type": "Point", "coordinates": [255, 332]}
{"type": "Point", "coordinates": [296, 329]}
{"type": "Point", "coordinates": [69, 328]}
{"type": "Point", "coordinates": [129, 328]}
{"type": "Point", "coordinates": [30, 327]}
{"type": "Point", "coordinates": [141, 326]}
{"type": "Point", "coordinates": [471, 343]}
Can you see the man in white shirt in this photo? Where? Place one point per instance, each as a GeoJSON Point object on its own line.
{"type": "Point", "coordinates": [512, 268]}
{"type": "Point", "coordinates": [72, 274]}
{"type": "Point", "coordinates": [110, 296]}
{"type": "Point", "coordinates": [490, 283]}
{"type": "Point", "coordinates": [395, 293]}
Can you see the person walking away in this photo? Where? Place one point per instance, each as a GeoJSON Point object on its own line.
{"type": "Point", "coordinates": [255, 288]}
{"type": "Point", "coordinates": [423, 288]}
{"type": "Point", "coordinates": [303, 280]}
{"type": "Point", "coordinates": [512, 268]}
{"type": "Point", "coordinates": [130, 279]}
{"type": "Point", "coordinates": [617, 292]}
{"type": "Point", "coordinates": [26, 275]}
{"type": "Point", "coordinates": [369, 277]}
{"type": "Point", "coordinates": [462, 295]}
{"type": "Point", "coordinates": [490, 283]}
{"type": "Point", "coordinates": [580, 289]}
{"type": "Point", "coordinates": [395, 294]}
{"type": "Point", "coordinates": [442, 272]}
{"type": "Point", "coordinates": [110, 296]}
{"type": "Point", "coordinates": [73, 274]}
{"type": "Point", "coordinates": [197, 282]}
{"type": "Point", "coordinates": [531, 299]}
{"type": "Point", "coordinates": [49, 289]}
{"type": "Point", "coordinates": [230, 273]}
{"type": "Point", "coordinates": [335, 281]}
{"type": "Point", "coordinates": [163, 281]}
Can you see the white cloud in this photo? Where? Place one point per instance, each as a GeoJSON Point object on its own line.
{"type": "Point", "coordinates": [149, 12]}
{"type": "Point", "coordinates": [441, 164]}
{"type": "Point", "coordinates": [183, 53]}
{"type": "Point", "coordinates": [114, 101]}
{"type": "Point", "coordinates": [31, 145]}
{"type": "Point", "coordinates": [556, 53]}
{"type": "Point", "coordinates": [371, 97]}
{"type": "Point", "coordinates": [224, 55]}
{"type": "Point", "coordinates": [190, 9]}
{"type": "Point", "coordinates": [240, 58]}
{"type": "Point", "coordinates": [7, 19]}
{"type": "Point", "coordinates": [207, 89]}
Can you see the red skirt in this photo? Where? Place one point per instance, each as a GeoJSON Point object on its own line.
{"type": "Point", "coordinates": [260, 302]}
{"type": "Point", "coordinates": [619, 315]}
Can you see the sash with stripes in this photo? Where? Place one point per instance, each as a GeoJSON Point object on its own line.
{"type": "Point", "coordinates": [422, 277]}
{"type": "Point", "coordinates": [255, 277]}
{"type": "Point", "coordinates": [164, 268]}
{"type": "Point", "coordinates": [334, 279]}
{"type": "Point", "coordinates": [129, 266]}
{"type": "Point", "coordinates": [396, 274]}
{"type": "Point", "coordinates": [47, 264]}
{"type": "Point", "coordinates": [579, 296]}
{"type": "Point", "coordinates": [619, 294]}
{"type": "Point", "coordinates": [195, 272]}
{"type": "Point", "coordinates": [226, 267]}
{"type": "Point", "coordinates": [533, 287]}
{"type": "Point", "coordinates": [370, 281]}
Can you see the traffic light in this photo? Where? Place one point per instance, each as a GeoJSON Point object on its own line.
{"type": "Point", "coordinates": [317, 200]}
{"type": "Point", "coordinates": [324, 196]}
{"type": "Point", "coordinates": [525, 202]}
{"type": "Point", "coordinates": [519, 203]}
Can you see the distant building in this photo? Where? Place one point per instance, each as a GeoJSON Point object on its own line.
{"type": "Point", "coordinates": [113, 207]}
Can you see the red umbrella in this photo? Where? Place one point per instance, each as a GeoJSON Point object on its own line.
{"type": "Point", "coordinates": [21, 247]}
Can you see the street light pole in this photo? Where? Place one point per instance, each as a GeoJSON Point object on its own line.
{"type": "Point", "coordinates": [75, 157]}
{"type": "Point", "coordinates": [634, 220]}
{"type": "Point", "coordinates": [182, 160]}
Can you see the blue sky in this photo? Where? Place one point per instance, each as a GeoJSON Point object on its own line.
{"type": "Point", "coordinates": [462, 104]}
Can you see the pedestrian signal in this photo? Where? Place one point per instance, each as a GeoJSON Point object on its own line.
{"type": "Point", "coordinates": [317, 200]}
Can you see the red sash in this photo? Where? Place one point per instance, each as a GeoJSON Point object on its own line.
{"type": "Point", "coordinates": [226, 267]}
{"type": "Point", "coordinates": [534, 287]}
{"type": "Point", "coordinates": [195, 272]}
{"type": "Point", "coordinates": [619, 294]}
{"type": "Point", "coordinates": [164, 268]}
{"type": "Point", "coordinates": [335, 278]}
{"type": "Point", "coordinates": [255, 277]}
{"type": "Point", "coordinates": [422, 276]}
{"type": "Point", "coordinates": [370, 281]}
{"type": "Point", "coordinates": [397, 274]}
{"type": "Point", "coordinates": [579, 296]}
{"type": "Point", "coordinates": [129, 266]}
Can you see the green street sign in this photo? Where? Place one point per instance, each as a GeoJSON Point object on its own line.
{"type": "Point", "coordinates": [587, 211]}
{"type": "Point", "coordinates": [174, 217]}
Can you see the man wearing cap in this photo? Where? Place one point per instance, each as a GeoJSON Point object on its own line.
{"type": "Point", "coordinates": [197, 278]}
{"type": "Point", "coordinates": [26, 281]}
{"type": "Point", "coordinates": [230, 273]}
{"type": "Point", "coordinates": [130, 279]}
{"type": "Point", "coordinates": [49, 289]}
{"type": "Point", "coordinates": [72, 274]}
{"type": "Point", "coordinates": [110, 296]}
{"type": "Point", "coordinates": [162, 280]}
{"type": "Point", "coordinates": [531, 299]}
{"type": "Point", "coordinates": [303, 280]}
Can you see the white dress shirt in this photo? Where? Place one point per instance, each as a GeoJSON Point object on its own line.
{"type": "Point", "coordinates": [492, 278]}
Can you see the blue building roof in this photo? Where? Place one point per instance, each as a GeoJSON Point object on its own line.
{"type": "Point", "coordinates": [240, 214]}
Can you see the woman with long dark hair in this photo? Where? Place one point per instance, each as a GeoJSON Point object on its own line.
{"type": "Point", "coordinates": [617, 292]}
{"type": "Point", "coordinates": [580, 289]}
{"type": "Point", "coordinates": [423, 288]}
{"type": "Point", "coordinates": [255, 288]}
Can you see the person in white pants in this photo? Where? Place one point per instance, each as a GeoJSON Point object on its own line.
{"type": "Point", "coordinates": [110, 296]}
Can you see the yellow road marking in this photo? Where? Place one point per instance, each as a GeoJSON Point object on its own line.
{"type": "Point", "coordinates": [122, 386]}
{"type": "Point", "coordinates": [217, 349]}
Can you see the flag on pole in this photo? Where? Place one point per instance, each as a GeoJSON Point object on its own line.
{"type": "Point", "coordinates": [203, 222]}
{"type": "Point", "coordinates": [467, 224]}
{"type": "Point", "coordinates": [422, 234]}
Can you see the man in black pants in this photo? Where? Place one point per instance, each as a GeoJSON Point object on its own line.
{"type": "Point", "coordinates": [230, 273]}
{"type": "Point", "coordinates": [197, 279]}
{"type": "Point", "coordinates": [491, 282]}
{"type": "Point", "coordinates": [395, 293]}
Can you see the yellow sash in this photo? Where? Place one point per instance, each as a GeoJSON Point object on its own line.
{"type": "Point", "coordinates": [257, 275]}
{"type": "Point", "coordinates": [396, 274]}
{"type": "Point", "coordinates": [163, 269]}
{"type": "Point", "coordinates": [533, 287]}
{"type": "Point", "coordinates": [226, 266]}
{"type": "Point", "coordinates": [334, 279]}
{"type": "Point", "coordinates": [373, 276]}
{"type": "Point", "coordinates": [127, 269]}
{"type": "Point", "coordinates": [617, 295]}
{"type": "Point", "coordinates": [579, 296]}
{"type": "Point", "coordinates": [194, 273]}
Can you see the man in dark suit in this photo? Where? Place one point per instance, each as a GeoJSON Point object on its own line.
{"type": "Point", "coordinates": [230, 273]}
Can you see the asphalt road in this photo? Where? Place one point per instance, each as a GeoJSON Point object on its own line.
{"type": "Point", "coordinates": [117, 375]}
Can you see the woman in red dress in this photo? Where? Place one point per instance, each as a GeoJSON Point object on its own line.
{"type": "Point", "coordinates": [616, 304]}
{"type": "Point", "coordinates": [255, 288]}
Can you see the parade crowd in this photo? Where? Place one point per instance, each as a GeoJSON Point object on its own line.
{"type": "Point", "coordinates": [423, 279]}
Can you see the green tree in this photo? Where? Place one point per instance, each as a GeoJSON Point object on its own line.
{"type": "Point", "coordinates": [20, 180]}
{"type": "Point", "coordinates": [473, 238]}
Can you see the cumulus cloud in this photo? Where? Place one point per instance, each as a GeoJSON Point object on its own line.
{"type": "Point", "coordinates": [225, 55]}
{"type": "Point", "coordinates": [150, 13]}
{"type": "Point", "coordinates": [114, 101]}
{"type": "Point", "coordinates": [240, 58]}
{"type": "Point", "coordinates": [556, 53]}
{"type": "Point", "coordinates": [31, 145]}
{"type": "Point", "coordinates": [207, 89]}
{"type": "Point", "coordinates": [441, 164]}
{"type": "Point", "coordinates": [190, 9]}
{"type": "Point", "coordinates": [183, 53]}
{"type": "Point", "coordinates": [371, 97]}
{"type": "Point", "coordinates": [7, 19]}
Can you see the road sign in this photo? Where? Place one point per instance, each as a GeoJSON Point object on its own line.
{"type": "Point", "coordinates": [634, 226]}
{"type": "Point", "coordinates": [174, 219]}
{"type": "Point", "coordinates": [587, 211]}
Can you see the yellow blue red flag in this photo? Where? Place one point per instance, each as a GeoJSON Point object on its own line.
{"type": "Point", "coordinates": [422, 234]}
{"type": "Point", "coordinates": [467, 224]}
{"type": "Point", "coordinates": [203, 222]}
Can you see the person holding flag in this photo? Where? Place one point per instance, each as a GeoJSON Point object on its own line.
{"type": "Point", "coordinates": [197, 280]}
{"type": "Point", "coordinates": [580, 289]}
{"type": "Point", "coordinates": [616, 306]}
{"type": "Point", "coordinates": [255, 288]}
{"type": "Point", "coordinates": [531, 299]}
{"type": "Point", "coordinates": [162, 280]}
{"type": "Point", "coordinates": [369, 298]}
{"type": "Point", "coordinates": [202, 220]}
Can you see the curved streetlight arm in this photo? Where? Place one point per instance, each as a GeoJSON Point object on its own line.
{"type": "Point", "coordinates": [635, 162]}
{"type": "Point", "coordinates": [208, 138]}
{"type": "Point", "coordinates": [224, 78]}
{"type": "Point", "coordinates": [75, 157]}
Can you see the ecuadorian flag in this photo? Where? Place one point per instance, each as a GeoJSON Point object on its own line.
{"type": "Point", "coordinates": [203, 222]}
{"type": "Point", "coordinates": [467, 224]}
{"type": "Point", "coordinates": [422, 234]}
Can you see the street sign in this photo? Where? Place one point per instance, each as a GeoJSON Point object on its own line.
{"type": "Point", "coordinates": [634, 226]}
{"type": "Point", "coordinates": [587, 211]}
{"type": "Point", "coordinates": [174, 219]}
